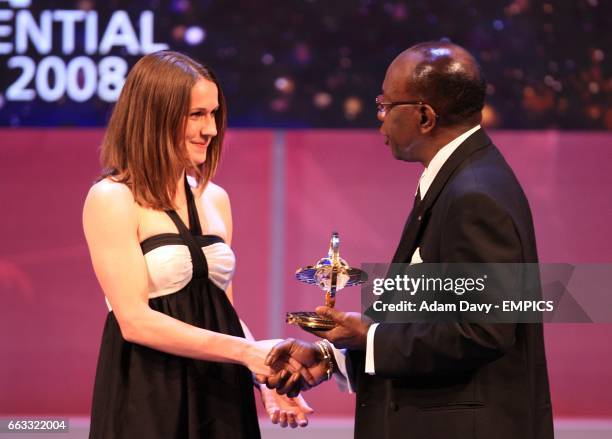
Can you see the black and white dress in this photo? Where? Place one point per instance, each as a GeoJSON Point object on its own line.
{"type": "Point", "coordinates": [142, 393]}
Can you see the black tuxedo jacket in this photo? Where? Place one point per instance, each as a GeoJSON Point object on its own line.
{"type": "Point", "coordinates": [455, 380]}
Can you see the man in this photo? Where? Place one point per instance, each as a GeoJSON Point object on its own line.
{"type": "Point", "coordinates": [444, 380]}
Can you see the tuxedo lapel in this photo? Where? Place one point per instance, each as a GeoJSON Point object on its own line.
{"type": "Point", "coordinates": [417, 220]}
{"type": "Point", "coordinates": [410, 233]}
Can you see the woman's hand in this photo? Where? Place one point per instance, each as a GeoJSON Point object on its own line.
{"type": "Point", "coordinates": [285, 411]}
{"type": "Point", "coordinates": [255, 355]}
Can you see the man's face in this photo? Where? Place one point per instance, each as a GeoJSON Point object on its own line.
{"type": "Point", "coordinates": [401, 123]}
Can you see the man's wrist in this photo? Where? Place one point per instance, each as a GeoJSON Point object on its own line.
{"type": "Point", "coordinates": [326, 354]}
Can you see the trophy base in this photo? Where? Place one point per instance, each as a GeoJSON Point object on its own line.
{"type": "Point", "coordinates": [309, 321]}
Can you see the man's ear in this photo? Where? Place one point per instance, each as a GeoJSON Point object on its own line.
{"type": "Point", "coordinates": [428, 118]}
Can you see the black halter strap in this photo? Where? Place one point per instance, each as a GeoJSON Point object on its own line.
{"type": "Point", "coordinates": [200, 266]}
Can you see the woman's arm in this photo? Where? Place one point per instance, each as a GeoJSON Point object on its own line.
{"type": "Point", "coordinates": [281, 409]}
{"type": "Point", "coordinates": [111, 225]}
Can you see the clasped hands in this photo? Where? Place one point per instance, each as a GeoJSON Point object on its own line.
{"type": "Point", "coordinates": [299, 365]}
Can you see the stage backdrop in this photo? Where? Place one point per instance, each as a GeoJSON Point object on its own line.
{"type": "Point", "coordinates": [289, 191]}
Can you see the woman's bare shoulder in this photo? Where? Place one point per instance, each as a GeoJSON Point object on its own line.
{"type": "Point", "coordinates": [110, 197]}
{"type": "Point", "coordinates": [214, 195]}
{"type": "Point", "coordinates": [217, 195]}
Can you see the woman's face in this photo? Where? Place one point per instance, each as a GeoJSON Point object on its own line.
{"type": "Point", "coordinates": [201, 126]}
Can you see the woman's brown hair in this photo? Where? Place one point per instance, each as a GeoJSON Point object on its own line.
{"type": "Point", "coordinates": [143, 146]}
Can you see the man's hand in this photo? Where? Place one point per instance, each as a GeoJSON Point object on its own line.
{"type": "Point", "coordinates": [351, 329]}
{"type": "Point", "coordinates": [290, 379]}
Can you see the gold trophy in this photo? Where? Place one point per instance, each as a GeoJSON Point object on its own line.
{"type": "Point", "coordinates": [330, 274]}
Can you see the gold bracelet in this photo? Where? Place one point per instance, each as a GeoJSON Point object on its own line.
{"type": "Point", "coordinates": [325, 348]}
{"type": "Point", "coordinates": [332, 357]}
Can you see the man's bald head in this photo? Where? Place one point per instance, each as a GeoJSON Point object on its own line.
{"type": "Point", "coordinates": [447, 77]}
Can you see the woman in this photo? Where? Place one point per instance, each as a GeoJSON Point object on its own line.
{"type": "Point", "coordinates": [174, 361]}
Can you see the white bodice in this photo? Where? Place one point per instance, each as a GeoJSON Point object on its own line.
{"type": "Point", "coordinates": [169, 267]}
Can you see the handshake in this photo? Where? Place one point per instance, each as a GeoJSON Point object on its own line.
{"type": "Point", "coordinates": [298, 365]}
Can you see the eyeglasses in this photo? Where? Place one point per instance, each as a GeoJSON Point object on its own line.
{"type": "Point", "coordinates": [382, 108]}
